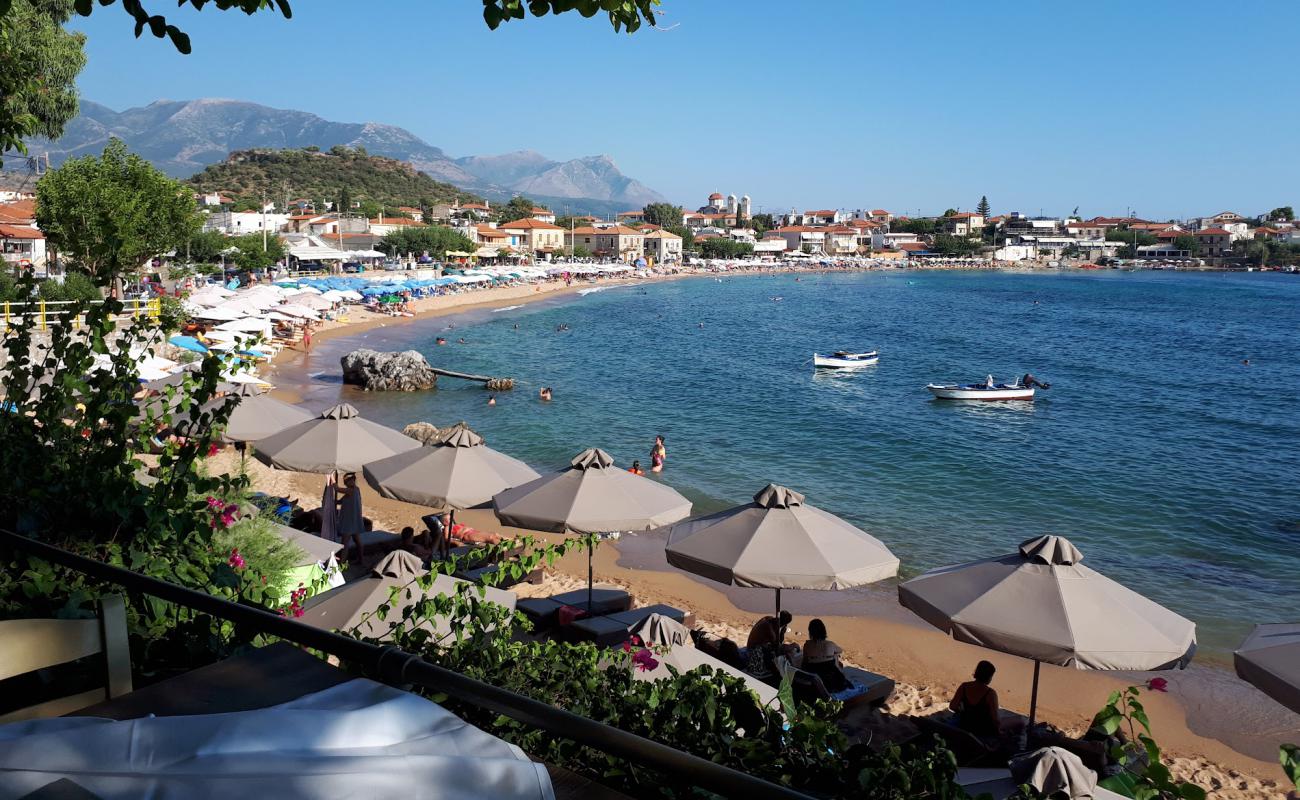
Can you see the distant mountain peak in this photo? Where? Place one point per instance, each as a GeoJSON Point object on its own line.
{"type": "Point", "coordinates": [181, 137]}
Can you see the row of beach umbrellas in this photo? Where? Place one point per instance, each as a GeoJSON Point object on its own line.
{"type": "Point", "coordinates": [1039, 602]}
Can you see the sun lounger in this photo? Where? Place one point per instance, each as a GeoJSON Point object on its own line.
{"type": "Point", "coordinates": [378, 542]}
{"type": "Point", "coordinates": [865, 687]}
{"type": "Point", "coordinates": [613, 629]}
{"type": "Point", "coordinates": [998, 784]}
{"type": "Point", "coordinates": [544, 611]}
{"type": "Point", "coordinates": [969, 749]}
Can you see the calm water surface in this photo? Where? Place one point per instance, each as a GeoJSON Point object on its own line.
{"type": "Point", "coordinates": [1168, 462]}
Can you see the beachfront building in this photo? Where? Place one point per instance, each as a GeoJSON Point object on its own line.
{"type": "Point", "coordinates": [892, 241]}
{"type": "Point", "coordinates": [386, 225]}
{"type": "Point", "coordinates": [1164, 250]}
{"type": "Point", "coordinates": [471, 211]}
{"type": "Point", "coordinates": [735, 209]}
{"type": "Point", "coordinates": [963, 224]}
{"type": "Point", "coordinates": [770, 245]}
{"type": "Point", "coordinates": [840, 241]}
{"type": "Point", "coordinates": [22, 248]}
{"type": "Point", "coordinates": [803, 238]}
{"type": "Point", "coordinates": [665, 247]}
{"type": "Point", "coordinates": [535, 236]}
{"type": "Point", "coordinates": [1214, 242]}
{"type": "Point", "coordinates": [543, 215]}
{"type": "Point", "coordinates": [617, 242]}
{"type": "Point", "coordinates": [236, 223]}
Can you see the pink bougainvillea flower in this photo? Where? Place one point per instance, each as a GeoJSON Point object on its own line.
{"type": "Point", "coordinates": [215, 503]}
{"type": "Point", "coordinates": [213, 449]}
{"type": "Point", "coordinates": [1158, 685]}
{"type": "Point", "coordinates": [236, 560]}
{"type": "Point", "coordinates": [644, 660]}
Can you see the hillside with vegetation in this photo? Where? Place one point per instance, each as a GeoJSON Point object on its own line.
{"type": "Point", "coordinates": [324, 175]}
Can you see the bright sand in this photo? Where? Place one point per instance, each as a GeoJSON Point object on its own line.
{"type": "Point", "coordinates": [1193, 722]}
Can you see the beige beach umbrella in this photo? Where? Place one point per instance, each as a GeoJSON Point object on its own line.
{"type": "Point", "coordinates": [1270, 660]}
{"type": "Point", "coordinates": [1040, 603]}
{"type": "Point", "coordinates": [337, 440]}
{"type": "Point", "coordinates": [779, 542]}
{"type": "Point", "coordinates": [256, 414]}
{"type": "Point", "coordinates": [590, 496]}
{"type": "Point", "coordinates": [354, 604]}
{"type": "Point", "coordinates": [461, 472]}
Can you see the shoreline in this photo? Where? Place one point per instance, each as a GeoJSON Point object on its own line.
{"type": "Point", "coordinates": [1205, 723]}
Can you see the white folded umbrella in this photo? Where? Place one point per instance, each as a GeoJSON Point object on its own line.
{"type": "Point", "coordinates": [295, 310]}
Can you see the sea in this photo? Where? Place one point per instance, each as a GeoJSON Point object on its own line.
{"type": "Point", "coordinates": [1167, 449]}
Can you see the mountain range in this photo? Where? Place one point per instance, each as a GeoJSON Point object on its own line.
{"type": "Point", "coordinates": [181, 137]}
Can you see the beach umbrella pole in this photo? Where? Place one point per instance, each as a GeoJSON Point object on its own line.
{"type": "Point", "coordinates": [1033, 704]}
{"type": "Point", "coordinates": [591, 545]}
{"type": "Point", "coordinates": [778, 607]}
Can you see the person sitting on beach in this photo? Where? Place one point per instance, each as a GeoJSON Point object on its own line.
{"type": "Point", "coordinates": [976, 703]}
{"type": "Point", "coordinates": [635, 469]}
{"type": "Point", "coordinates": [408, 544]}
{"type": "Point", "coordinates": [769, 631]}
{"type": "Point", "coordinates": [821, 657]}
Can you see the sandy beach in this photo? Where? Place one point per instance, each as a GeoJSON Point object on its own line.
{"type": "Point", "coordinates": [1205, 723]}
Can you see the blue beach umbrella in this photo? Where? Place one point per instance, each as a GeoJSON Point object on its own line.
{"type": "Point", "coordinates": [188, 343]}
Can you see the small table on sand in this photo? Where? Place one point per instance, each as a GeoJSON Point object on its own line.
{"type": "Point", "coordinates": [266, 677]}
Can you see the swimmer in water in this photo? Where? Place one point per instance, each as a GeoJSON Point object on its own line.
{"type": "Point", "coordinates": [545, 394]}
{"type": "Point", "coordinates": [1245, 362]}
{"type": "Point", "coordinates": [461, 341]}
{"type": "Point", "coordinates": [441, 340]}
{"type": "Point", "coordinates": [492, 399]}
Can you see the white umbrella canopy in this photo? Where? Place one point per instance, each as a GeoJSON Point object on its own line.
{"type": "Point", "coordinates": [219, 313]}
{"type": "Point", "coordinates": [247, 325]}
{"type": "Point", "coordinates": [590, 496]}
{"type": "Point", "coordinates": [337, 440]}
{"type": "Point", "coordinates": [1041, 603]}
{"type": "Point", "coordinates": [1270, 660]}
{"type": "Point", "coordinates": [779, 542]}
{"type": "Point", "coordinates": [297, 310]}
{"type": "Point", "coordinates": [257, 415]}
{"type": "Point", "coordinates": [315, 302]}
{"type": "Point", "coordinates": [461, 472]}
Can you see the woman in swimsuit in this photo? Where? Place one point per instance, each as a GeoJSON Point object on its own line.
{"type": "Point", "coordinates": [658, 455]}
{"type": "Point", "coordinates": [976, 703]}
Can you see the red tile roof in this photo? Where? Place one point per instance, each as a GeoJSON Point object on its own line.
{"type": "Point", "coordinates": [1169, 234]}
{"type": "Point", "coordinates": [19, 232]}
{"type": "Point", "coordinates": [530, 223]}
{"type": "Point", "coordinates": [631, 213]}
{"type": "Point", "coordinates": [715, 196]}
{"type": "Point", "coordinates": [913, 246]}
{"type": "Point", "coordinates": [1213, 232]}
{"type": "Point", "coordinates": [879, 212]}
{"type": "Point", "coordinates": [963, 215]}
{"type": "Point", "coordinates": [19, 209]}
{"type": "Point", "coordinates": [826, 212]}
{"type": "Point", "coordinates": [476, 206]}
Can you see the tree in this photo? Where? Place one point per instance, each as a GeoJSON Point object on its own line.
{"type": "Point", "coordinates": [39, 63]}
{"type": "Point", "coordinates": [762, 223]}
{"type": "Point", "coordinates": [435, 240]}
{"type": "Point", "coordinates": [688, 235]}
{"type": "Point", "coordinates": [344, 203]}
{"type": "Point", "coordinates": [251, 256]}
{"type": "Point", "coordinates": [519, 207]}
{"type": "Point", "coordinates": [1129, 237]}
{"type": "Point", "coordinates": [725, 248]}
{"type": "Point", "coordinates": [205, 247]}
{"type": "Point", "coordinates": [950, 245]}
{"type": "Point", "coordinates": [111, 214]}
{"type": "Point", "coordinates": [919, 226]}
{"type": "Point", "coordinates": [1187, 243]}
{"type": "Point", "coordinates": [662, 214]}
{"type": "Point", "coordinates": [1253, 250]}
{"type": "Point", "coordinates": [983, 208]}
{"type": "Point", "coordinates": [580, 251]}
{"type": "Point", "coordinates": [1282, 214]}
{"type": "Point", "coordinates": [952, 212]}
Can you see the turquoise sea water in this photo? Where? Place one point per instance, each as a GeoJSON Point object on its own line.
{"type": "Point", "coordinates": [1169, 463]}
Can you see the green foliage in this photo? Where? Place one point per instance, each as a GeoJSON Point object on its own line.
{"type": "Point", "coordinates": [1289, 756]}
{"type": "Point", "coordinates": [171, 314]}
{"type": "Point", "coordinates": [955, 245]}
{"type": "Point", "coordinates": [762, 223]}
{"type": "Point", "coordinates": [662, 214]}
{"type": "Point", "coordinates": [519, 207]}
{"type": "Point", "coordinates": [39, 63]}
{"type": "Point", "coordinates": [952, 212]}
{"type": "Point", "coordinates": [1144, 776]}
{"type": "Point", "coordinates": [435, 240]}
{"type": "Point", "coordinates": [109, 215]}
{"type": "Point", "coordinates": [725, 248]}
{"type": "Point", "coordinates": [983, 208]}
{"type": "Point", "coordinates": [75, 286]}
{"type": "Point", "coordinates": [205, 246]}
{"type": "Point", "coordinates": [711, 714]}
{"type": "Point", "coordinates": [251, 255]}
{"type": "Point", "coordinates": [1142, 238]}
{"type": "Point", "coordinates": [343, 205]}
{"type": "Point", "coordinates": [1187, 243]}
{"type": "Point", "coordinates": [1281, 214]}
{"type": "Point", "coordinates": [581, 251]}
{"type": "Point", "coordinates": [265, 553]}
{"type": "Point", "coordinates": [688, 235]}
{"type": "Point", "coordinates": [920, 226]}
{"type": "Point", "coordinates": [386, 181]}
{"type": "Point", "coordinates": [623, 14]}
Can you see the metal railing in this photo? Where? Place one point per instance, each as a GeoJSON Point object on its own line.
{"type": "Point", "coordinates": [396, 666]}
{"type": "Point", "coordinates": [47, 310]}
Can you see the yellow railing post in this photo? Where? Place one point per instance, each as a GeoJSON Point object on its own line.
{"type": "Point", "coordinates": [42, 315]}
{"type": "Point", "coordinates": [6, 315]}
{"type": "Point", "coordinates": [155, 309]}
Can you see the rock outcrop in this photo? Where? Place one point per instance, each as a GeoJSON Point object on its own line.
{"type": "Point", "coordinates": [430, 434]}
{"type": "Point", "coordinates": [388, 372]}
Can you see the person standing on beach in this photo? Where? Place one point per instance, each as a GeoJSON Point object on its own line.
{"type": "Point", "coordinates": [658, 455]}
{"type": "Point", "coordinates": [306, 337]}
{"type": "Point", "coordinates": [352, 522]}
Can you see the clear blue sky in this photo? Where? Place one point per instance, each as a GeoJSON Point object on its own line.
{"type": "Point", "coordinates": [1169, 108]}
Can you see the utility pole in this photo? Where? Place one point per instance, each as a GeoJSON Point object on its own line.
{"type": "Point", "coordinates": [263, 222]}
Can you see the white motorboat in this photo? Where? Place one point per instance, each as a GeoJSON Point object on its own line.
{"type": "Point", "coordinates": [987, 390]}
{"type": "Point", "coordinates": [845, 360]}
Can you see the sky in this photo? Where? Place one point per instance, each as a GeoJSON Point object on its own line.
{"type": "Point", "coordinates": [1167, 109]}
